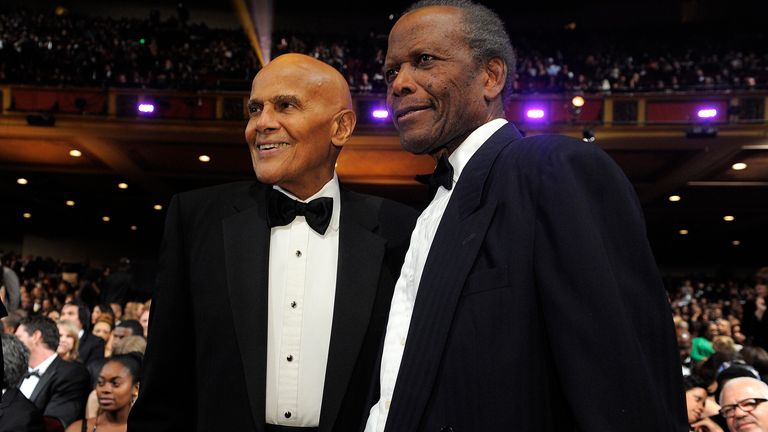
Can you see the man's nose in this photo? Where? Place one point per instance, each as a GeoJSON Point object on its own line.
{"type": "Point", "coordinates": [403, 83]}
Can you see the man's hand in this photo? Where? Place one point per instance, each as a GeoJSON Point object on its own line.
{"type": "Point", "coordinates": [706, 425]}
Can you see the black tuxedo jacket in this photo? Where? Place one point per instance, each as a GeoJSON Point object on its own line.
{"type": "Point", "coordinates": [540, 307]}
{"type": "Point", "coordinates": [62, 391]}
{"type": "Point", "coordinates": [18, 414]}
{"type": "Point", "coordinates": [91, 348]}
{"type": "Point", "coordinates": [205, 363]}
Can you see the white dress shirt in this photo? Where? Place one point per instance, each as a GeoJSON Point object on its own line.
{"type": "Point", "coordinates": [302, 288]}
{"type": "Point", "coordinates": [29, 384]}
{"type": "Point", "coordinates": [407, 285]}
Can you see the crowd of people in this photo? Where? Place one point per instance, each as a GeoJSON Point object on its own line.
{"type": "Point", "coordinates": [719, 324]}
{"type": "Point", "coordinates": [722, 333]}
{"type": "Point", "coordinates": [72, 345]}
{"type": "Point", "coordinates": [72, 50]}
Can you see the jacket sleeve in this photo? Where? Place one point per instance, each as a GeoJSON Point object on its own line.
{"type": "Point", "coordinates": [168, 390]}
{"type": "Point", "coordinates": [606, 311]}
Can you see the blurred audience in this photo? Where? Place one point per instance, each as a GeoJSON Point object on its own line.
{"type": "Point", "coordinates": [78, 51]}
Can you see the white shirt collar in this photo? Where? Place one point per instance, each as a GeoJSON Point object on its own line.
{"type": "Point", "coordinates": [330, 190]}
{"type": "Point", "coordinates": [42, 367]}
{"type": "Point", "coordinates": [461, 156]}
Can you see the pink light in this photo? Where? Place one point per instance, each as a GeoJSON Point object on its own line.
{"type": "Point", "coordinates": [535, 114]}
{"type": "Point", "coordinates": [707, 113]}
{"type": "Point", "coordinates": [146, 108]}
{"type": "Point", "coordinates": [380, 114]}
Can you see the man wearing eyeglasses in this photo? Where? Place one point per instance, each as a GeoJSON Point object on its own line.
{"type": "Point", "coordinates": [742, 405]}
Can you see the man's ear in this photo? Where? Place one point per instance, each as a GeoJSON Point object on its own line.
{"type": "Point", "coordinates": [343, 125]}
{"type": "Point", "coordinates": [496, 77]}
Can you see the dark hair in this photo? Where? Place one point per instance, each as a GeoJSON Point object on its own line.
{"type": "Point", "coordinates": [47, 328]}
{"type": "Point", "coordinates": [83, 314]}
{"type": "Point", "coordinates": [485, 34]}
{"type": "Point", "coordinates": [756, 357]}
{"type": "Point", "coordinates": [693, 381]}
{"type": "Point", "coordinates": [132, 361]}
{"type": "Point", "coordinates": [15, 360]}
{"type": "Point", "coordinates": [133, 325]}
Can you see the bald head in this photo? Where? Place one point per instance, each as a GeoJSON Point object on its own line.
{"type": "Point", "coordinates": [741, 388]}
{"type": "Point", "coordinates": [300, 117]}
{"type": "Point", "coordinates": [321, 76]}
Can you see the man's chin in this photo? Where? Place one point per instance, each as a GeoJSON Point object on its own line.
{"type": "Point", "coordinates": [417, 145]}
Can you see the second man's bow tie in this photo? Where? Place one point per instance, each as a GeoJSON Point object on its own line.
{"type": "Point", "coordinates": [443, 175]}
{"type": "Point", "coordinates": [282, 210]}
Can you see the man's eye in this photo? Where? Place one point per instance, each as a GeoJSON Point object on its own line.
{"type": "Point", "coordinates": [425, 58]}
{"type": "Point", "coordinates": [390, 75]}
{"type": "Point", "coordinates": [254, 109]}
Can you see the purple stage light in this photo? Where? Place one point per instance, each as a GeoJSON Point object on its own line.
{"type": "Point", "coordinates": [380, 114]}
{"type": "Point", "coordinates": [535, 114]}
{"type": "Point", "coordinates": [707, 113]}
{"type": "Point", "coordinates": [146, 108]}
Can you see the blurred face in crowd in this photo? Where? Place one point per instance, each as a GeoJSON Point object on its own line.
{"type": "Point", "coordinates": [121, 332]}
{"type": "Point", "coordinates": [300, 117]}
{"type": "Point", "coordinates": [117, 310]}
{"type": "Point", "coordinates": [115, 388]}
{"type": "Point", "coordinates": [25, 338]}
{"type": "Point", "coordinates": [66, 341]}
{"type": "Point", "coordinates": [144, 321]}
{"type": "Point", "coordinates": [437, 94]}
{"type": "Point", "coordinates": [102, 330]}
{"type": "Point", "coordinates": [95, 314]}
{"type": "Point", "coordinates": [54, 315]}
{"type": "Point", "coordinates": [69, 313]}
{"type": "Point", "coordinates": [695, 399]}
{"type": "Point", "coordinates": [739, 390]}
{"type": "Point", "coordinates": [723, 327]}
{"type": "Point", "coordinates": [684, 344]}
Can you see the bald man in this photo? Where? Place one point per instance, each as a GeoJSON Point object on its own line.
{"type": "Point", "coordinates": [742, 403]}
{"type": "Point", "coordinates": [287, 279]}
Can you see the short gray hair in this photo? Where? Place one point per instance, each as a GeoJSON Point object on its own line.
{"type": "Point", "coordinates": [15, 361]}
{"type": "Point", "coordinates": [485, 34]}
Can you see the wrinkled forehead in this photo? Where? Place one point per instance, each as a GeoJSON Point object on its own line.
{"type": "Point", "coordinates": [304, 81]}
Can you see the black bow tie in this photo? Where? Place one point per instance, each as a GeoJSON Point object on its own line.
{"type": "Point", "coordinates": [442, 176]}
{"type": "Point", "coordinates": [32, 373]}
{"type": "Point", "coordinates": [282, 210]}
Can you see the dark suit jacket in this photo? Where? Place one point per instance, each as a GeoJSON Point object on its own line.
{"type": "Point", "coordinates": [205, 363]}
{"type": "Point", "coordinates": [18, 414]}
{"type": "Point", "coordinates": [540, 307]}
{"type": "Point", "coordinates": [62, 391]}
{"type": "Point", "coordinates": [91, 348]}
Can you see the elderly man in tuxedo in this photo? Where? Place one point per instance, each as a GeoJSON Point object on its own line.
{"type": "Point", "coordinates": [57, 387]}
{"type": "Point", "coordinates": [529, 299]}
{"type": "Point", "coordinates": [287, 279]}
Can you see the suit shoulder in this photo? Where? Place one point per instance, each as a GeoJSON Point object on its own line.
{"type": "Point", "coordinates": [555, 151]}
{"type": "Point", "coordinates": [393, 218]}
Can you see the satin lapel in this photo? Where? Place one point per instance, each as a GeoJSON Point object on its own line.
{"type": "Point", "coordinates": [246, 250]}
{"type": "Point", "coordinates": [361, 256]}
{"type": "Point", "coordinates": [451, 256]}
{"type": "Point", "coordinates": [45, 379]}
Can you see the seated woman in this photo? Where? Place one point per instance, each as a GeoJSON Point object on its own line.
{"type": "Point", "coordinates": [117, 389]}
{"type": "Point", "coordinates": [69, 341]}
{"type": "Point", "coordinates": [696, 400]}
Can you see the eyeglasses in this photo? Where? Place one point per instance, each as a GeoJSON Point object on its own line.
{"type": "Point", "coordinates": [746, 405]}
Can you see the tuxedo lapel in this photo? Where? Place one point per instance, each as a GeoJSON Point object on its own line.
{"type": "Point", "coordinates": [246, 247]}
{"type": "Point", "coordinates": [451, 256]}
{"type": "Point", "coordinates": [45, 379]}
{"type": "Point", "coordinates": [361, 256]}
